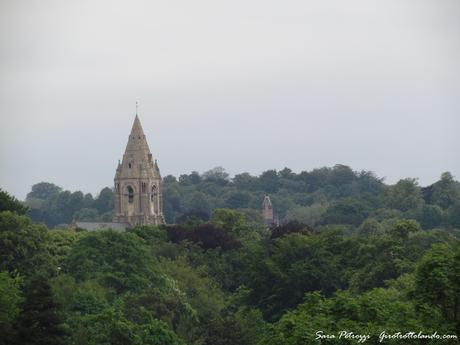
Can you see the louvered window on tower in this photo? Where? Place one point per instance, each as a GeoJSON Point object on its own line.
{"type": "Point", "coordinates": [130, 194]}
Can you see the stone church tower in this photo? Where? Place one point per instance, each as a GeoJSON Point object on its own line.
{"type": "Point", "coordinates": [137, 191]}
{"type": "Point", "coordinates": [267, 211]}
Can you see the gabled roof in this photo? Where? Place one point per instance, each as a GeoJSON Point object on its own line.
{"type": "Point", "coordinates": [92, 226]}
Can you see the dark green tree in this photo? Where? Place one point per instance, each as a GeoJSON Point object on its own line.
{"type": "Point", "coordinates": [430, 216]}
{"type": "Point", "coordinates": [245, 181]}
{"type": "Point", "coordinates": [269, 181]}
{"type": "Point", "coordinates": [104, 201]}
{"type": "Point", "coordinates": [23, 245]}
{"type": "Point", "coordinates": [40, 322]}
{"type": "Point", "coordinates": [438, 281]}
{"type": "Point", "coordinates": [217, 175]}
{"type": "Point", "coordinates": [280, 273]}
{"type": "Point", "coordinates": [453, 215]}
{"type": "Point", "coordinates": [404, 196]}
{"type": "Point", "coordinates": [121, 261]}
{"type": "Point", "coordinates": [341, 175]}
{"type": "Point", "coordinates": [446, 191]}
{"type": "Point", "coordinates": [404, 228]}
{"type": "Point", "coordinates": [44, 191]}
{"type": "Point", "coordinates": [10, 203]}
{"type": "Point", "coordinates": [365, 314]}
{"type": "Point", "coordinates": [10, 297]}
{"type": "Point", "coordinates": [347, 211]}
{"type": "Point", "coordinates": [238, 199]}
{"type": "Point", "coordinates": [10, 303]}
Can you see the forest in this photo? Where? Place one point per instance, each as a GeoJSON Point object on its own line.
{"type": "Point", "coordinates": [351, 253]}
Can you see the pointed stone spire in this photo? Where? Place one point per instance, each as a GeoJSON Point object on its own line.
{"type": "Point", "coordinates": [138, 192]}
{"type": "Point", "coordinates": [137, 127]}
{"type": "Point", "coordinates": [137, 160]}
{"type": "Point", "coordinates": [137, 143]}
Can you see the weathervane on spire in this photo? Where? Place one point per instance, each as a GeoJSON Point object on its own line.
{"type": "Point", "coordinates": [137, 106]}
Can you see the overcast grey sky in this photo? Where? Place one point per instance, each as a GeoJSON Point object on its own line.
{"type": "Point", "coordinates": [247, 85]}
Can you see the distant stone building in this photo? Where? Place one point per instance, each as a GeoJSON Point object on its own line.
{"type": "Point", "coordinates": [267, 212]}
{"type": "Point", "coordinates": [137, 192]}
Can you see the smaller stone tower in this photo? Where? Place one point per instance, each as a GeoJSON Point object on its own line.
{"type": "Point", "coordinates": [137, 193]}
{"type": "Point", "coordinates": [267, 211]}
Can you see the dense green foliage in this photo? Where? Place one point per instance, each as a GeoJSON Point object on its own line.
{"type": "Point", "coordinates": [336, 195]}
{"type": "Point", "coordinates": [10, 203]}
{"type": "Point", "coordinates": [40, 322]}
{"type": "Point", "coordinates": [351, 254]}
{"type": "Point", "coordinates": [48, 203]}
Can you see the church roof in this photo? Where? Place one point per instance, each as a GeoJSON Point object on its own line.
{"type": "Point", "coordinates": [92, 226]}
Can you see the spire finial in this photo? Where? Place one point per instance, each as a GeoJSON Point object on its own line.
{"type": "Point", "coordinates": [137, 106]}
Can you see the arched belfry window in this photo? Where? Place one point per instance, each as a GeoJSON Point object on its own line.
{"type": "Point", "coordinates": [143, 187]}
{"type": "Point", "coordinates": [130, 194]}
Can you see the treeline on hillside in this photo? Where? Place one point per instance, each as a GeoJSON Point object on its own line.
{"type": "Point", "coordinates": [53, 206]}
{"type": "Point", "coordinates": [226, 280]}
{"type": "Point", "coordinates": [324, 196]}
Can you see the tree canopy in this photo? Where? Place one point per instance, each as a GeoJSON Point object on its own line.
{"type": "Point", "coordinates": [350, 253]}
